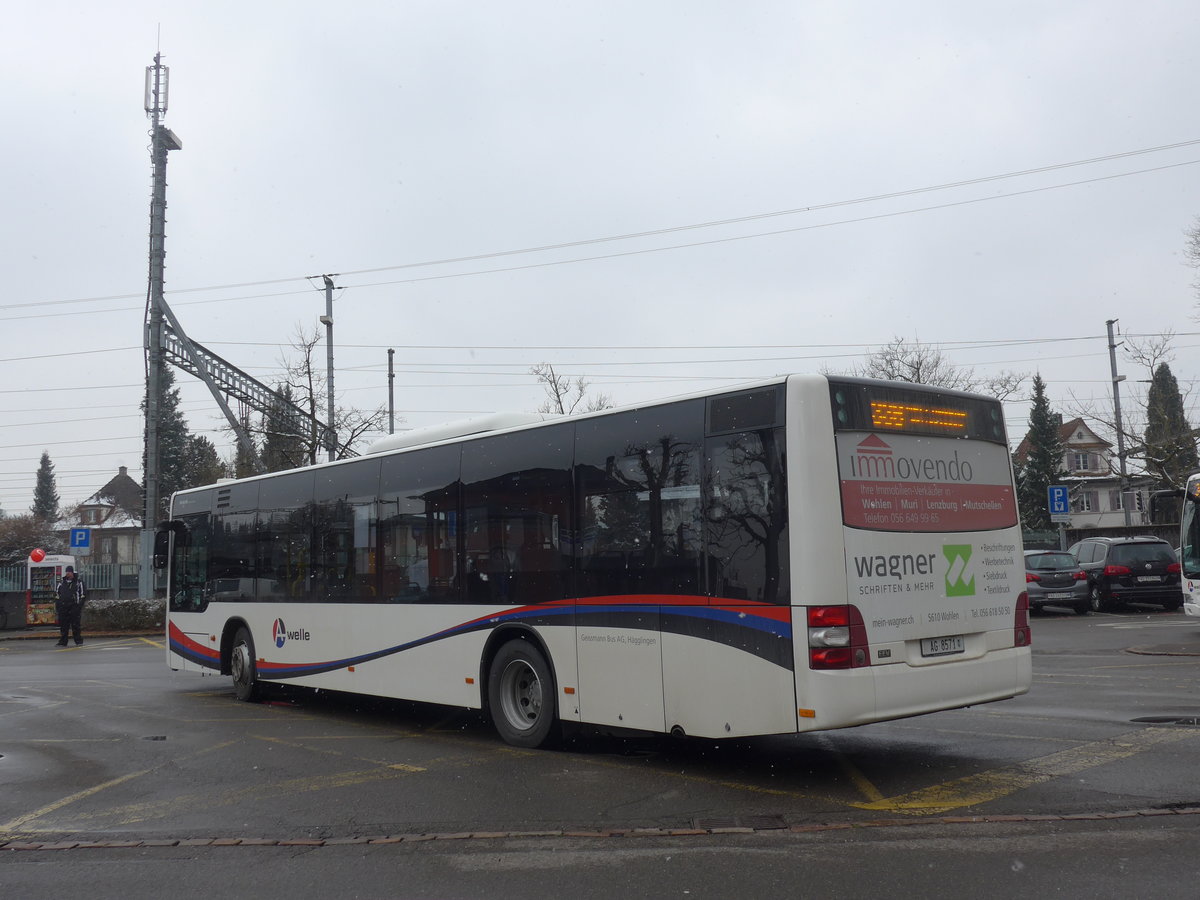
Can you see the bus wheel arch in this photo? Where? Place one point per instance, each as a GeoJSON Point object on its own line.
{"type": "Point", "coordinates": [520, 689]}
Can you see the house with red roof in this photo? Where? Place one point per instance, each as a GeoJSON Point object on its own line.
{"type": "Point", "coordinates": [1094, 479]}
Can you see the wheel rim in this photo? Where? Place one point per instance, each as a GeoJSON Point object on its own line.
{"type": "Point", "coordinates": [239, 664]}
{"type": "Point", "coordinates": [520, 695]}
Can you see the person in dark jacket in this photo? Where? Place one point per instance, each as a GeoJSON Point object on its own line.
{"type": "Point", "coordinates": [69, 606]}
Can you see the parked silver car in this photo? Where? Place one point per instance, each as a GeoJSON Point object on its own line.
{"type": "Point", "coordinates": [1055, 578]}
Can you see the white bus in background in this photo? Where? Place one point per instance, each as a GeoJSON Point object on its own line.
{"type": "Point", "coordinates": [1189, 545]}
{"type": "Point", "coordinates": [800, 554]}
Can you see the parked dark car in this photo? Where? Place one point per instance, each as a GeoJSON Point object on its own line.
{"type": "Point", "coordinates": [1054, 578]}
{"type": "Point", "coordinates": [1129, 570]}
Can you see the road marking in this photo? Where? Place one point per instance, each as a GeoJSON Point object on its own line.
{"type": "Point", "coordinates": [301, 746]}
{"type": "Point", "coordinates": [27, 708]}
{"type": "Point", "coordinates": [984, 787]}
{"type": "Point", "coordinates": [853, 772]}
{"type": "Point", "coordinates": [72, 740]}
{"type": "Point", "coordinates": [159, 644]}
{"type": "Point", "coordinates": [59, 804]}
{"type": "Point", "coordinates": [133, 813]}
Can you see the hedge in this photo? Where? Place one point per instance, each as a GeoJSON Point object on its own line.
{"type": "Point", "coordinates": [124, 615]}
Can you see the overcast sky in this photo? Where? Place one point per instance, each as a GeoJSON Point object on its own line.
{"type": "Point", "coordinates": [377, 139]}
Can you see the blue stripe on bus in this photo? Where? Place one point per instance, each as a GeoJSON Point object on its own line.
{"type": "Point", "coordinates": [739, 627]}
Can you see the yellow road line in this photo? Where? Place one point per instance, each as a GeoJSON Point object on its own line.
{"type": "Point", "coordinates": [59, 804]}
{"type": "Point", "coordinates": [853, 772]}
{"type": "Point", "coordinates": [112, 740]}
{"type": "Point", "coordinates": [301, 746]}
{"type": "Point", "coordinates": [133, 813]}
{"type": "Point", "coordinates": [984, 787]}
{"type": "Point", "coordinates": [16, 823]}
{"type": "Point", "coordinates": [28, 709]}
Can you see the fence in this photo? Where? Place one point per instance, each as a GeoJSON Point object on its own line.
{"type": "Point", "coordinates": [110, 579]}
{"type": "Point", "coordinates": [1049, 540]}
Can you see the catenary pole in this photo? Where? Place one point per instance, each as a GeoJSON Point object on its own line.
{"type": "Point", "coordinates": [327, 319]}
{"type": "Point", "coordinates": [391, 392]}
{"type": "Point", "coordinates": [1116, 381]}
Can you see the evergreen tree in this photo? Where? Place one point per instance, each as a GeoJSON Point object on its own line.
{"type": "Point", "coordinates": [1170, 447]}
{"type": "Point", "coordinates": [45, 492]}
{"type": "Point", "coordinates": [202, 464]}
{"type": "Point", "coordinates": [1043, 462]}
{"type": "Point", "coordinates": [173, 437]}
{"type": "Point", "coordinates": [243, 465]}
{"type": "Point", "coordinates": [284, 444]}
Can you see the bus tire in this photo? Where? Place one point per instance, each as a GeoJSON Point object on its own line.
{"type": "Point", "coordinates": [521, 695]}
{"type": "Point", "coordinates": [242, 667]}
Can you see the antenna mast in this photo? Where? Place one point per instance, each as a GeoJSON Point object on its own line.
{"type": "Point", "coordinates": [162, 140]}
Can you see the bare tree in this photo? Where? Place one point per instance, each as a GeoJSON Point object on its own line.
{"type": "Point", "coordinates": [1191, 251]}
{"type": "Point", "coordinates": [304, 384]}
{"type": "Point", "coordinates": [1148, 353]}
{"type": "Point", "coordinates": [306, 377]}
{"type": "Point", "coordinates": [917, 363]}
{"type": "Point", "coordinates": [21, 534]}
{"type": "Point", "coordinates": [564, 396]}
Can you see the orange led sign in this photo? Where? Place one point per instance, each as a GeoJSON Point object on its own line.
{"type": "Point", "coordinates": [903, 416]}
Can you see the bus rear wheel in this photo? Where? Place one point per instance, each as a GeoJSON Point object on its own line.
{"type": "Point", "coordinates": [242, 667]}
{"type": "Point", "coordinates": [521, 695]}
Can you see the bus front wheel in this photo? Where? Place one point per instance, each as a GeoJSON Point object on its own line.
{"type": "Point", "coordinates": [521, 695]}
{"type": "Point", "coordinates": [242, 667]}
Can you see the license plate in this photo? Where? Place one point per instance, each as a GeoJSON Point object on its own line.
{"type": "Point", "coordinates": [1066, 596]}
{"type": "Point", "coordinates": [1149, 579]}
{"type": "Point", "coordinates": [943, 646]}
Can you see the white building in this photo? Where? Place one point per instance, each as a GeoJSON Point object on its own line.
{"type": "Point", "coordinates": [1093, 476]}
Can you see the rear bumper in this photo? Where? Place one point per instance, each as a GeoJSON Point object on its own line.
{"type": "Point", "coordinates": [1074, 595]}
{"type": "Point", "coordinates": [1159, 593]}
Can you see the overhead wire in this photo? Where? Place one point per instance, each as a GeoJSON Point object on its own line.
{"type": "Point", "coordinates": [675, 229]}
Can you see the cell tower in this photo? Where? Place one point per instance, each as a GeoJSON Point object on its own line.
{"type": "Point", "coordinates": [165, 342]}
{"type": "Point", "coordinates": [162, 141]}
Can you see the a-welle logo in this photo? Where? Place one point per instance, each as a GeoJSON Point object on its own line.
{"type": "Point", "coordinates": [280, 634]}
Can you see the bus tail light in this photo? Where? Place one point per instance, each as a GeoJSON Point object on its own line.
{"type": "Point", "coordinates": [837, 638]}
{"type": "Point", "coordinates": [1021, 634]}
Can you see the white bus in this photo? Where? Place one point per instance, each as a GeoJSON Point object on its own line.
{"type": "Point", "coordinates": [1189, 545]}
{"type": "Point", "coordinates": [801, 554]}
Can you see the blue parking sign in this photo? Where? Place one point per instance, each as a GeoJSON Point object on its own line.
{"type": "Point", "coordinates": [1058, 500]}
{"type": "Point", "coordinates": [81, 538]}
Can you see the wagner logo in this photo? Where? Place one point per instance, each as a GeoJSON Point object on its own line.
{"type": "Point", "coordinates": [957, 582]}
{"type": "Point", "coordinates": [280, 634]}
{"type": "Point", "coordinates": [874, 458]}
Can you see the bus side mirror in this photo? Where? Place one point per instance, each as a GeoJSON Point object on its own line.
{"type": "Point", "coordinates": [162, 548]}
{"type": "Point", "coordinates": [1161, 501]}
